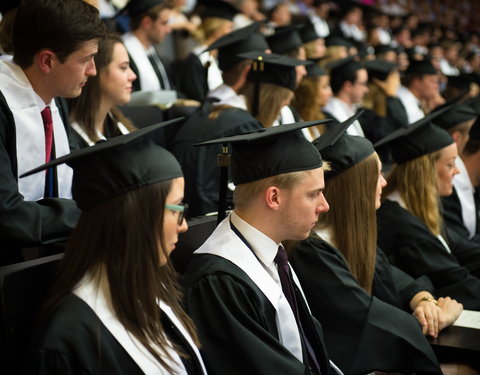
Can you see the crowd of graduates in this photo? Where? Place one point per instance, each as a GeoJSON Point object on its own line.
{"type": "Point", "coordinates": [342, 138]}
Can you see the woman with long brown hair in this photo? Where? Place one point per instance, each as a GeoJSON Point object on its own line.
{"type": "Point", "coordinates": [115, 305]}
{"type": "Point", "coordinates": [311, 96]}
{"type": "Point", "coordinates": [94, 114]}
{"type": "Point", "coordinates": [362, 302]}
{"type": "Point", "coordinates": [410, 225]}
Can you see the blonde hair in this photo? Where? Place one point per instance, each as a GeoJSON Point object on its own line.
{"type": "Point", "coordinates": [305, 103]}
{"type": "Point", "coordinates": [376, 100]}
{"type": "Point", "coordinates": [310, 48]}
{"type": "Point", "coordinates": [208, 28]}
{"type": "Point", "coordinates": [245, 194]}
{"type": "Point", "coordinates": [416, 182]}
{"type": "Point", "coordinates": [353, 221]}
{"type": "Point", "coordinates": [272, 99]}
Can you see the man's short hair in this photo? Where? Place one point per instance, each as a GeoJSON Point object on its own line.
{"type": "Point", "coordinates": [338, 80]}
{"type": "Point", "coordinates": [244, 194]}
{"type": "Point", "coordinates": [152, 13]}
{"type": "Point", "coordinates": [58, 25]}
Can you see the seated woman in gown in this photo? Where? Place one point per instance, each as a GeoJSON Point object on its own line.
{"type": "Point", "coordinates": [94, 114]}
{"type": "Point", "coordinates": [115, 305]}
{"type": "Point", "coordinates": [410, 224]}
{"type": "Point", "coordinates": [363, 302]}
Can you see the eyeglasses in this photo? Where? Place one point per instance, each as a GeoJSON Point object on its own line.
{"type": "Point", "coordinates": [182, 210]}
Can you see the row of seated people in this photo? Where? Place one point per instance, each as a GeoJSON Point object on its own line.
{"type": "Point", "coordinates": [251, 317]}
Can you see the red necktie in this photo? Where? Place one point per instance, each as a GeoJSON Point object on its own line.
{"type": "Point", "coordinates": [49, 177]}
{"type": "Point", "coordinates": [48, 125]}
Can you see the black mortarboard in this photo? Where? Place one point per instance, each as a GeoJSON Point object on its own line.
{"type": "Point", "coordinates": [345, 153]}
{"type": "Point", "coordinates": [317, 3]}
{"type": "Point", "coordinates": [246, 39]}
{"type": "Point", "coordinates": [7, 5]}
{"type": "Point", "coordinates": [272, 68]}
{"type": "Point", "coordinates": [475, 130]}
{"type": "Point", "coordinates": [420, 67]}
{"type": "Point", "coordinates": [276, 150]}
{"type": "Point", "coordinates": [314, 70]}
{"type": "Point", "coordinates": [418, 139]}
{"type": "Point", "coordinates": [136, 7]}
{"type": "Point", "coordinates": [308, 32]}
{"type": "Point", "coordinates": [346, 64]}
{"type": "Point", "coordinates": [286, 39]}
{"type": "Point", "coordinates": [333, 41]}
{"type": "Point", "coordinates": [379, 69]}
{"type": "Point", "coordinates": [384, 48]}
{"type": "Point", "coordinates": [455, 116]}
{"type": "Point", "coordinates": [461, 81]}
{"type": "Point", "coordinates": [217, 9]}
{"type": "Point", "coordinates": [473, 102]}
{"type": "Point", "coordinates": [116, 166]}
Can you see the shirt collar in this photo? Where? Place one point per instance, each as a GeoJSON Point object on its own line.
{"type": "Point", "coordinates": [263, 246]}
{"type": "Point", "coordinates": [41, 104]}
{"type": "Point", "coordinates": [462, 180]}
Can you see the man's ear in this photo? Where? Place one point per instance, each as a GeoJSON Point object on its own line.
{"type": "Point", "coordinates": [146, 22]}
{"type": "Point", "coordinates": [456, 135]}
{"type": "Point", "coordinates": [45, 60]}
{"type": "Point", "coordinates": [273, 197]}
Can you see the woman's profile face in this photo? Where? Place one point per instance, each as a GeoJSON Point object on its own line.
{"type": "Point", "coordinates": [324, 91]}
{"type": "Point", "coordinates": [117, 77]}
{"type": "Point", "coordinates": [446, 169]}
{"type": "Point", "coordinates": [171, 228]}
{"type": "Point", "coordinates": [381, 183]}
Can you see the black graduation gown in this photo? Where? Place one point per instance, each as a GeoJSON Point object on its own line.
{"type": "Point", "coordinates": [199, 164]}
{"type": "Point", "coordinates": [376, 127]}
{"type": "Point", "coordinates": [75, 341]}
{"type": "Point", "coordinates": [237, 323]}
{"type": "Point", "coordinates": [452, 215]}
{"type": "Point", "coordinates": [191, 78]}
{"type": "Point", "coordinates": [24, 223]}
{"type": "Point", "coordinates": [363, 333]}
{"type": "Point", "coordinates": [409, 245]}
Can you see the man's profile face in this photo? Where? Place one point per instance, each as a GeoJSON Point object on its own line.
{"type": "Point", "coordinates": [303, 204]}
{"type": "Point", "coordinates": [429, 86]}
{"type": "Point", "coordinates": [160, 27]}
{"type": "Point", "coordinates": [359, 87]}
{"type": "Point", "coordinates": [68, 78]}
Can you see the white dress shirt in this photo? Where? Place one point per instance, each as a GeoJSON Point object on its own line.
{"type": "Point", "coordinates": [342, 111]}
{"type": "Point", "coordinates": [465, 192]}
{"type": "Point", "coordinates": [411, 104]}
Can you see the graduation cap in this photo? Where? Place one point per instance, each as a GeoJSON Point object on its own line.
{"type": "Point", "coordinates": [246, 39]}
{"type": "Point", "coordinates": [7, 5]}
{"type": "Point", "coordinates": [347, 151]}
{"type": "Point", "coordinates": [384, 48]}
{"type": "Point", "coordinates": [116, 166]}
{"type": "Point", "coordinates": [333, 41]}
{"type": "Point", "coordinates": [272, 68]}
{"type": "Point", "coordinates": [379, 69]}
{"type": "Point", "coordinates": [341, 66]}
{"type": "Point", "coordinates": [462, 81]}
{"type": "Point", "coordinates": [420, 67]}
{"type": "Point", "coordinates": [418, 139]}
{"type": "Point", "coordinates": [475, 130]}
{"type": "Point", "coordinates": [135, 7]}
{"type": "Point", "coordinates": [217, 9]}
{"type": "Point", "coordinates": [455, 116]}
{"type": "Point", "coordinates": [308, 32]}
{"type": "Point", "coordinates": [286, 39]}
{"type": "Point", "coordinates": [314, 70]}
